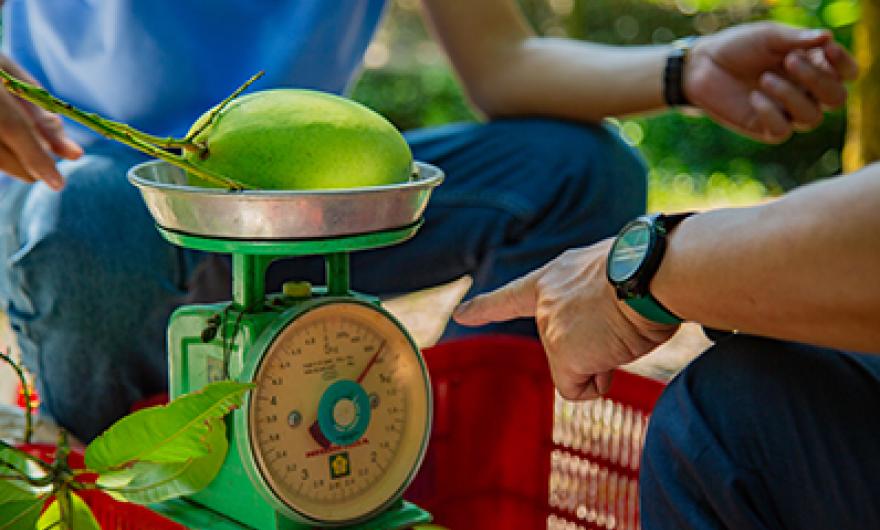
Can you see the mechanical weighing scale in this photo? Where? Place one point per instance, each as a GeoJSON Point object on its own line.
{"type": "Point", "coordinates": [339, 421]}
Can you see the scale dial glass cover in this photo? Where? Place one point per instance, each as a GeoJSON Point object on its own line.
{"type": "Point", "coordinates": [331, 353]}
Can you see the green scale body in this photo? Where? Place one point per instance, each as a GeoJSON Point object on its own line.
{"type": "Point", "coordinates": [262, 338]}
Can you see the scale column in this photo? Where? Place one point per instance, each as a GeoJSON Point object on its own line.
{"type": "Point", "coordinates": [337, 274]}
{"type": "Point", "coordinates": [249, 280]}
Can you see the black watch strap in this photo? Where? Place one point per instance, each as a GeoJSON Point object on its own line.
{"type": "Point", "coordinates": [669, 221]}
{"type": "Point", "coordinates": [673, 74]}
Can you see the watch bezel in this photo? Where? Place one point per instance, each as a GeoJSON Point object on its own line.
{"type": "Point", "coordinates": [632, 286]}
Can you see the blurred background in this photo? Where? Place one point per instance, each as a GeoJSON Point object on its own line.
{"type": "Point", "coordinates": [694, 163]}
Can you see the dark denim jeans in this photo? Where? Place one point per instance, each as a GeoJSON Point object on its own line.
{"type": "Point", "coordinates": [89, 284]}
{"type": "Point", "coordinates": [761, 434]}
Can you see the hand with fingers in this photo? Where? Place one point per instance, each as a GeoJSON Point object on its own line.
{"type": "Point", "coordinates": [31, 137]}
{"type": "Point", "coordinates": [585, 329]}
{"type": "Point", "coordinates": [766, 80]}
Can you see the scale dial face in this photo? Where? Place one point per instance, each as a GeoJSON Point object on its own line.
{"type": "Point", "coordinates": [340, 416]}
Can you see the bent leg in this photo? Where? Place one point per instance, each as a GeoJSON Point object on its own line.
{"type": "Point", "coordinates": [758, 433]}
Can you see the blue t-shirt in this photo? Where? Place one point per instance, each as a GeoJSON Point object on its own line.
{"type": "Point", "coordinates": [159, 64]}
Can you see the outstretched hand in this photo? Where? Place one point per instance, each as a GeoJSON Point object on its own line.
{"type": "Point", "coordinates": [585, 330]}
{"type": "Point", "coordinates": [30, 137]}
{"type": "Point", "coordinates": [766, 80]}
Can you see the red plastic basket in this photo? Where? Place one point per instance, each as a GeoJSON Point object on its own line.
{"type": "Point", "coordinates": [489, 457]}
{"type": "Point", "coordinates": [594, 467]}
{"type": "Point", "coordinates": [508, 453]}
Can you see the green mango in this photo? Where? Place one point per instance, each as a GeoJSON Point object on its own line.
{"type": "Point", "coordinates": [291, 139]}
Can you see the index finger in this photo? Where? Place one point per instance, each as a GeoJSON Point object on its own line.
{"type": "Point", "coordinates": [517, 299]}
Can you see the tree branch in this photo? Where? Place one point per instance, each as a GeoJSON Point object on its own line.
{"type": "Point", "coordinates": [25, 388]}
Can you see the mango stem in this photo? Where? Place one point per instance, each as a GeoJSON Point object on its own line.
{"type": "Point", "coordinates": [146, 143]}
{"type": "Point", "coordinates": [190, 138]}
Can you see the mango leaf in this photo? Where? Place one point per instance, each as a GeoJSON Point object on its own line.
{"type": "Point", "coordinates": [114, 481]}
{"type": "Point", "coordinates": [80, 519]}
{"type": "Point", "coordinates": [172, 433]}
{"type": "Point", "coordinates": [20, 504]}
{"type": "Point", "coordinates": [149, 482]}
{"type": "Point", "coordinates": [19, 515]}
{"type": "Point", "coordinates": [18, 460]}
{"type": "Point", "coordinates": [16, 490]}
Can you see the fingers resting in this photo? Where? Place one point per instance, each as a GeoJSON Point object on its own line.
{"type": "Point", "coordinates": [21, 138]}
{"type": "Point", "coordinates": [805, 113]}
{"type": "Point", "coordinates": [771, 124]}
{"type": "Point", "coordinates": [824, 85]}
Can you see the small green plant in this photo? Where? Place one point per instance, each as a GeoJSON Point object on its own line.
{"type": "Point", "coordinates": [152, 455]}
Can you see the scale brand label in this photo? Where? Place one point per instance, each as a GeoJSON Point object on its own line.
{"type": "Point", "coordinates": [339, 465]}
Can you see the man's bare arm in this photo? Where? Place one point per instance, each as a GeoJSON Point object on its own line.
{"type": "Point", "coordinates": [509, 71]}
{"type": "Point", "coordinates": [805, 267]}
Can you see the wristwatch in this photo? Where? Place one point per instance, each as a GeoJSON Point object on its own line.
{"type": "Point", "coordinates": [673, 73]}
{"type": "Point", "coordinates": [634, 259]}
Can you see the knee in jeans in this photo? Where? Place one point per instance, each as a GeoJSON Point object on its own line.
{"type": "Point", "coordinates": [598, 145]}
{"type": "Point", "coordinates": [597, 169]}
{"type": "Point", "coordinates": [603, 174]}
{"type": "Point", "coordinates": [726, 387]}
{"type": "Point", "coordinates": [558, 140]}
{"type": "Point", "coordinates": [55, 261]}
{"type": "Point", "coordinates": [738, 368]}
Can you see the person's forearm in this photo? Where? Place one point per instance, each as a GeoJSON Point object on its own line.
{"type": "Point", "coordinates": [508, 71]}
{"type": "Point", "coordinates": [805, 267]}
{"type": "Point", "coordinates": [763, 80]}
{"type": "Point", "coordinates": [575, 80]}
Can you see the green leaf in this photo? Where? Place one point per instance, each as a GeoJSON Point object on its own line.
{"type": "Point", "coordinates": [81, 519]}
{"type": "Point", "coordinates": [20, 461]}
{"type": "Point", "coordinates": [17, 490]}
{"type": "Point", "coordinates": [15, 458]}
{"type": "Point", "coordinates": [20, 515]}
{"type": "Point", "coordinates": [173, 433]}
{"type": "Point", "coordinates": [20, 502]}
{"type": "Point", "coordinates": [149, 482]}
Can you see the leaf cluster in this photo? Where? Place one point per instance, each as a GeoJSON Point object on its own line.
{"type": "Point", "coordinates": [152, 455]}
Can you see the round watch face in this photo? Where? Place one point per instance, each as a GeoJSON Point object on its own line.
{"type": "Point", "coordinates": [629, 251]}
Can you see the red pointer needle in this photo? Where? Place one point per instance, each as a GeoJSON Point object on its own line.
{"type": "Point", "coordinates": [315, 429]}
{"type": "Point", "coordinates": [371, 363]}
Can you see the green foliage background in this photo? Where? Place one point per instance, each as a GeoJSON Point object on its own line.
{"type": "Point", "coordinates": [694, 162]}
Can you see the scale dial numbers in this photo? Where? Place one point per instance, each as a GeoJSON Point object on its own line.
{"type": "Point", "coordinates": [352, 364]}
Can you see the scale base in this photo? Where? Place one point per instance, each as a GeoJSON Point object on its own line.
{"type": "Point", "coordinates": [401, 516]}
